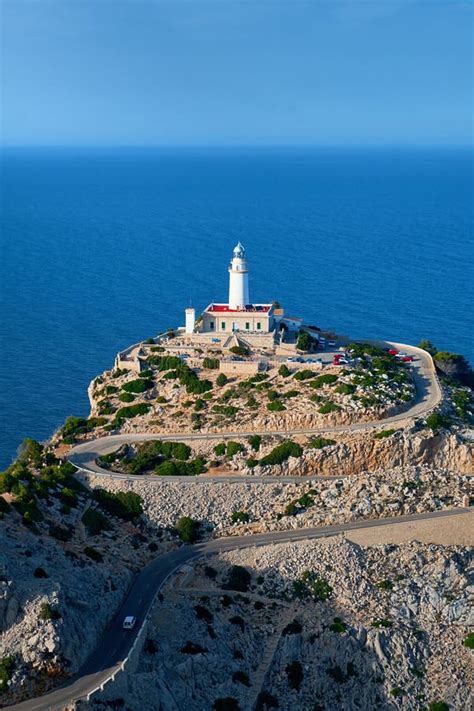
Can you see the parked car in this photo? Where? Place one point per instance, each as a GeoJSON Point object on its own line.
{"type": "Point", "coordinates": [292, 359]}
{"type": "Point", "coordinates": [129, 622]}
{"type": "Point", "coordinates": [392, 351]}
{"type": "Point", "coordinates": [332, 344]}
{"type": "Point", "coordinates": [407, 359]}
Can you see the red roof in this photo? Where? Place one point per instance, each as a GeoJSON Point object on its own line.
{"type": "Point", "coordinates": [250, 308]}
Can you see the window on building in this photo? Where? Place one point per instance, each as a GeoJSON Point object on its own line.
{"type": "Point", "coordinates": [223, 326]}
{"type": "Point", "coordinates": [211, 325]}
{"type": "Point", "coordinates": [259, 325]}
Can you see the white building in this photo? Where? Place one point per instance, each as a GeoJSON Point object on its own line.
{"type": "Point", "coordinates": [239, 313]}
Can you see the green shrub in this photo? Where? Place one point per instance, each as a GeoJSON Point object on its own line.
{"type": "Point", "coordinates": [193, 648]}
{"type": "Point", "coordinates": [469, 641]}
{"type": "Point", "coordinates": [175, 467]}
{"type": "Point", "coordinates": [221, 379]}
{"type": "Point", "coordinates": [438, 706]}
{"type": "Point", "coordinates": [320, 443]}
{"type": "Point", "coordinates": [241, 678]}
{"type": "Point", "coordinates": [239, 350]}
{"type": "Point", "coordinates": [290, 394]}
{"type": "Point", "coordinates": [226, 410]}
{"type": "Point", "coordinates": [157, 349]}
{"type": "Point", "coordinates": [251, 462]}
{"type": "Point", "coordinates": [199, 405]}
{"type": "Point", "coordinates": [161, 399]}
{"type": "Point", "coordinates": [4, 506]}
{"type": "Point", "coordinates": [255, 442]}
{"type": "Point", "coordinates": [188, 529]}
{"type": "Point", "coordinates": [321, 380]}
{"type": "Point", "coordinates": [141, 408]}
{"type": "Point", "coordinates": [294, 671]}
{"type": "Point", "coordinates": [7, 665]}
{"type": "Point", "coordinates": [312, 585]}
{"type": "Point", "coordinates": [69, 497]}
{"type": "Point", "coordinates": [338, 626]}
{"type": "Point", "coordinates": [304, 342]}
{"type": "Point", "coordinates": [284, 371]}
{"type": "Point", "coordinates": [385, 585]}
{"type": "Point", "coordinates": [290, 509]}
{"type": "Point", "coordinates": [291, 628]}
{"type": "Point", "coordinates": [396, 692]}
{"type": "Point", "coordinates": [60, 533]}
{"type": "Point", "coordinates": [304, 374]}
{"type": "Point", "coordinates": [382, 623]}
{"type": "Point", "coordinates": [48, 613]}
{"type": "Point", "coordinates": [240, 517]}
{"type": "Point", "coordinates": [125, 504]}
{"type": "Point", "coordinates": [233, 448]}
{"type": "Point", "coordinates": [93, 554]}
{"type": "Point", "coordinates": [239, 579]}
{"type": "Point", "coordinates": [220, 449]}
{"type": "Point", "coordinates": [126, 397]}
{"type": "Point", "coordinates": [437, 421]}
{"type": "Point", "coordinates": [210, 363]}
{"type": "Point", "coordinates": [137, 386]}
{"type": "Point", "coordinates": [282, 452]}
{"type": "Point", "coordinates": [95, 522]}
{"type": "Point", "coordinates": [275, 406]}
{"type": "Point", "coordinates": [306, 499]}
{"type": "Point", "coordinates": [328, 407]}
{"type": "Point", "coordinates": [146, 374]}
{"type": "Point", "coordinates": [384, 433]}
{"type": "Point", "coordinates": [345, 389]}
{"type": "Point", "coordinates": [30, 451]}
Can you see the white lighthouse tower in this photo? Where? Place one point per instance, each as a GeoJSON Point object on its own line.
{"type": "Point", "coordinates": [238, 280]}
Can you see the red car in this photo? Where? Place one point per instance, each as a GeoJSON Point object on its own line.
{"type": "Point", "coordinates": [393, 351]}
{"type": "Point", "coordinates": [407, 359]}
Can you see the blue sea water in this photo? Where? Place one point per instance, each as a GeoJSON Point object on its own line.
{"type": "Point", "coordinates": [101, 248]}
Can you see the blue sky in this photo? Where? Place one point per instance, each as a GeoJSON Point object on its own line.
{"type": "Point", "coordinates": [228, 72]}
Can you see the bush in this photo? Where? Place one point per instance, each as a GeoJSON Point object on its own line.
{"type": "Point", "coordinates": [312, 585]}
{"type": "Point", "coordinates": [239, 350]}
{"type": "Point", "coordinates": [304, 342]}
{"type": "Point", "coordinates": [226, 410]}
{"type": "Point", "coordinates": [125, 504]}
{"type": "Point", "coordinates": [137, 386]}
{"type": "Point", "coordinates": [93, 554]}
{"type": "Point", "coordinates": [438, 706]}
{"type": "Point", "coordinates": [240, 517]}
{"type": "Point", "coordinates": [60, 533]}
{"type": "Point", "coordinates": [176, 467]}
{"type": "Point", "coordinates": [384, 433]}
{"type": "Point", "coordinates": [321, 380]}
{"type": "Point", "coordinates": [188, 529]}
{"type": "Point", "coordinates": [95, 522]}
{"type": "Point", "coordinates": [320, 443]}
{"type": "Point", "coordinates": [328, 407]}
{"type": "Point", "coordinates": [241, 678]}
{"type": "Point", "coordinates": [220, 449]}
{"type": "Point", "coordinates": [282, 452]}
{"type": "Point", "coordinates": [469, 641]}
{"type": "Point", "coordinates": [40, 573]}
{"type": "Point", "coordinates": [385, 585]}
{"type": "Point", "coordinates": [48, 613]}
{"type": "Point", "coordinates": [293, 627]}
{"type": "Point", "coordinates": [233, 448]}
{"type": "Point", "coordinates": [145, 374]}
{"type": "Point", "coordinates": [30, 451]}
{"type": "Point", "coordinates": [210, 363]}
{"type": "Point", "coordinates": [290, 394]}
{"type": "Point", "coordinates": [275, 406]}
{"type": "Point", "coordinates": [251, 462]}
{"type": "Point", "coordinates": [284, 371]}
{"type": "Point", "coordinates": [125, 413]}
{"type": "Point", "coordinates": [345, 389]}
{"type": "Point", "coordinates": [437, 421]}
{"type": "Point", "coordinates": [238, 579]}
{"type": "Point", "coordinates": [255, 442]}
{"type": "Point", "coordinates": [304, 374]}
{"type": "Point", "coordinates": [7, 665]}
{"type": "Point", "coordinates": [338, 626]}
{"type": "Point", "coordinates": [226, 703]}
{"type": "Point", "coordinates": [294, 671]}
{"type": "Point", "coordinates": [126, 397]}
{"type": "Point", "coordinates": [221, 379]}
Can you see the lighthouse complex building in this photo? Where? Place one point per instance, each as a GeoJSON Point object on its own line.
{"type": "Point", "coordinates": [239, 315]}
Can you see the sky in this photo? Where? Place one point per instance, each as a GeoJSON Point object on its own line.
{"type": "Point", "coordinates": [236, 72]}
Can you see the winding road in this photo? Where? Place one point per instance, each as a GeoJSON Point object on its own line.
{"type": "Point", "coordinates": [116, 643]}
{"type": "Point", "coordinates": [428, 395]}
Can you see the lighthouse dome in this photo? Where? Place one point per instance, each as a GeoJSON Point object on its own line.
{"type": "Point", "coordinates": [239, 251]}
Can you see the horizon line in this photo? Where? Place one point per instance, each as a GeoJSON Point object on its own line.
{"type": "Point", "coordinates": [227, 146]}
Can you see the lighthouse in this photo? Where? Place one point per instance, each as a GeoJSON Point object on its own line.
{"type": "Point", "coordinates": [238, 280]}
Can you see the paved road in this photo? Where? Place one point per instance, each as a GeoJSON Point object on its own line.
{"type": "Point", "coordinates": [116, 643]}
{"type": "Point", "coordinates": [428, 394]}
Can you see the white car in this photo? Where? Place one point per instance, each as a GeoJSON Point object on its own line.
{"type": "Point", "coordinates": [129, 622]}
{"type": "Point", "coordinates": [331, 344]}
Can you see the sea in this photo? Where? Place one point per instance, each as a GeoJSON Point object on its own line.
{"type": "Point", "coordinates": [103, 247]}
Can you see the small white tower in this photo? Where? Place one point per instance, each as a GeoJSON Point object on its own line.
{"type": "Point", "coordinates": [238, 280]}
{"type": "Point", "coordinates": [190, 320]}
